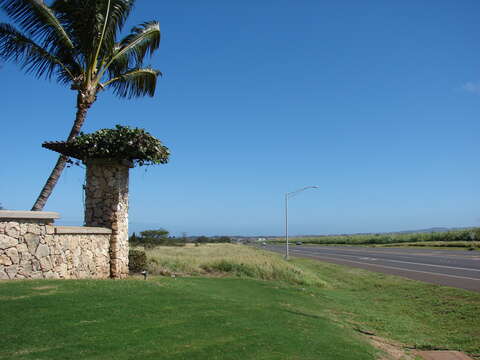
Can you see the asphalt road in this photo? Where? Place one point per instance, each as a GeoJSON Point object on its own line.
{"type": "Point", "coordinates": [460, 269]}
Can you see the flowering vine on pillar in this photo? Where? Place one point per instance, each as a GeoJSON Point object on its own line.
{"type": "Point", "coordinates": [109, 154]}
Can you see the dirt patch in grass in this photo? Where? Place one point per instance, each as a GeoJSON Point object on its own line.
{"type": "Point", "coordinates": [44, 288]}
{"type": "Point", "coordinates": [391, 350]}
{"type": "Point", "coordinates": [33, 350]}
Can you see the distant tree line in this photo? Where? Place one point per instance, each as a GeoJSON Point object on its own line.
{"type": "Point", "coordinates": [161, 237]}
{"type": "Point", "coordinates": [459, 235]}
{"type": "Point", "coordinates": [212, 240]}
{"type": "Point", "coordinates": [152, 238]}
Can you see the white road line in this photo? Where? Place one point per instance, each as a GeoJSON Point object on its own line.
{"type": "Point", "coordinates": [443, 253]}
{"type": "Point", "coordinates": [406, 262]}
{"type": "Point", "coordinates": [397, 268]}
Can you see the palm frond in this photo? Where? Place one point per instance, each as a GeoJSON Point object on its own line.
{"type": "Point", "coordinates": [33, 58]}
{"type": "Point", "coordinates": [39, 21]}
{"type": "Point", "coordinates": [79, 18]}
{"type": "Point", "coordinates": [131, 51]}
{"type": "Point", "coordinates": [134, 83]}
{"type": "Point", "coordinates": [118, 11]}
{"type": "Point", "coordinates": [93, 24]}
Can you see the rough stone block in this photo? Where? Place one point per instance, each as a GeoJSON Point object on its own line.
{"type": "Point", "coordinates": [3, 274]}
{"type": "Point", "coordinates": [25, 267]}
{"type": "Point", "coordinates": [49, 239]}
{"type": "Point", "coordinates": [76, 260]}
{"type": "Point", "coordinates": [45, 264]}
{"type": "Point", "coordinates": [11, 271]}
{"type": "Point", "coordinates": [82, 274]}
{"type": "Point", "coordinates": [34, 229]}
{"type": "Point", "coordinates": [5, 260]}
{"type": "Point", "coordinates": [12, 229]}
{"type": "Point", "coordinates": [22, 248]}
{"type": "Point", "coordinates": [36, 265]}
{"type": "Point", "coordinates": [7, 241]}
{"type": "Point", "coordinates": [62, 270]}
{"type": "Point", "coordinates": [23, 252]}
{"type": "Point", "coordinates": [58, 259]}
{"type": "Point", "coordinates": [42, 251]}
{"type": "Point", "coordinates": [12, 253]}
{"type": "Point", "coordinates": [23, 228]}
{"type": "Point", "coordinates": [32, 242]}
{"type": "Point", "coordinates": [36, 275]}
{"type": "Point", "coordinates": [51, 275]}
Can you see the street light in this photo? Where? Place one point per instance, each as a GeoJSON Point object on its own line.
{"type": "Point", "coordinates": [288, 195]}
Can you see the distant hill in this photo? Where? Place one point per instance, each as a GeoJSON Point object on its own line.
{"type": "Point", "coordinates": [429, 230]}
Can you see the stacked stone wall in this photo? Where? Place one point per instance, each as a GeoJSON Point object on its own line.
{"type": "Point", "coordinates": [106, 205]}
{"type": "Point", "coordinates": [32, 248]}
{"type": "Point", "coordinates": [35, 249]}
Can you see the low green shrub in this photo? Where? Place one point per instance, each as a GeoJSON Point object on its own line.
{"type": "Point", "coordinates": [224, 266]}
{"type": "Point", "coordinates": [137, 260]}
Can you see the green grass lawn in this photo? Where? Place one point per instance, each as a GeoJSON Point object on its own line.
{"type": "Point", "coordinates": [165, 318]}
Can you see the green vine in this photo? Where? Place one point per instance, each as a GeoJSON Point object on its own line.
{"type": "Point", "coordinates": [122, 143]}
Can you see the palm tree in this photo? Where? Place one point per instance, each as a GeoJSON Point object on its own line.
{"type": "Point", "coordinates": [76, 41]}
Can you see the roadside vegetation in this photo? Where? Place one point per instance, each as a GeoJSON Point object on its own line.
{"type": "Point", "coordinates": [464, 238]}
{"type": "Point", "coordinates": [417, 315]}
{"type": "Point", "coordinates": [227, 260]}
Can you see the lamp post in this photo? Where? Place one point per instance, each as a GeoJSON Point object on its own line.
{"type": "Point", "coordinates": [288, 195]}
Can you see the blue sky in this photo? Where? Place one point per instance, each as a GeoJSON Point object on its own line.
{"type": "Point", "coordinates": [376, 102]}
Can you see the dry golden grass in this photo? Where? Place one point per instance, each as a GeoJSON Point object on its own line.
{"type": "Point", "coordinates": [227, 259]}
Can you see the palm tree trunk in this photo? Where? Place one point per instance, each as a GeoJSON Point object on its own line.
{"type": "Point", "coordinates": [84, 101]}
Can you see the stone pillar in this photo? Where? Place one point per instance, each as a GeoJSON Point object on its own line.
{"type": "Point", "coordinates": [106, 205]}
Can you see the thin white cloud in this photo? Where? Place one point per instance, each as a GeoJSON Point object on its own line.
{"type": "Point", "coordinates": [472, 87]}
